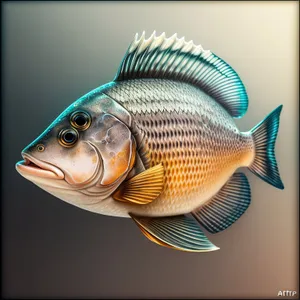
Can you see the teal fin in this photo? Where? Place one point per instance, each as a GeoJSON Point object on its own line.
{"type": "Point", "coordinates": [264, 135]}
{"type": "Point", "coordinates": [178, 232]}
{"type": "Point", "coordinates": [175, 59]}
{"type": "Point", "coordinates": [227, 206]}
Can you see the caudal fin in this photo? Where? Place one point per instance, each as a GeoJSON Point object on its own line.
{"type": "Point", "coordinates": [264, 135]}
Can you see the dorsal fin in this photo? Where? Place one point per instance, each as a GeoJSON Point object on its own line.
{"type": "Point", "coordinates": [175, 59]}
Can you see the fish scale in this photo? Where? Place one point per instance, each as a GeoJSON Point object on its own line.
{"type": "Point", "coordinates": [189, 133]}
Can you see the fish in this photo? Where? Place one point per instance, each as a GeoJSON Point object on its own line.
{"type": "Point", "coordinates": [159, 144]}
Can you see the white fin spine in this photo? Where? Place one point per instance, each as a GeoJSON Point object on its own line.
{"type": "Point", "coordinates": [175, 59]}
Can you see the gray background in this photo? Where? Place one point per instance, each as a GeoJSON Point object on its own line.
{"type": "Point", "coordinates": [55, 52]}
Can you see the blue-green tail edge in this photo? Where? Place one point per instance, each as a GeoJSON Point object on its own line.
{"type": "Point", "coordinates": [264, 136]}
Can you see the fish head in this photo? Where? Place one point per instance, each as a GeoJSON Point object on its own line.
{"type": "Point", "coordinates": [84, 154]}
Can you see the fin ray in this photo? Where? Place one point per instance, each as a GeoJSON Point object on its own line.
{"type": "Point", "coordinates": [226, 206]}
{"type": "Point", "coordinates": [143, 188]}
{"type": "Point", "coordinates": [264, 135]}
{"type": "Point", "coordinates": [175, 59]}
{"type": "Point", "coordinates": [177, 232]}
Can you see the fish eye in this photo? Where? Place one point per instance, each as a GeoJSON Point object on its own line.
{"type": "Point", "coordinates": [40, 147]}
{"type": "Point", "coordinates": [80, 120]}
{"type": "Point", "coordinates": [68, 137]}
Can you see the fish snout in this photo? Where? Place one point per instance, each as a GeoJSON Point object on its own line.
{"type": "Point", "coordinates": [32, 166]}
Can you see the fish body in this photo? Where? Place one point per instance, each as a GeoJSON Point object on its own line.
{"type": "Point", "coordinates": [187, 131]}
{"type": "Point", "coordinates": [157, 143]}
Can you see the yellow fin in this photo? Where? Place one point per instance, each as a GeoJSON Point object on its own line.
{"type": "Point", "coordinates": [151, 237]}
{"type": "Point", "coordinates": [142, 188]}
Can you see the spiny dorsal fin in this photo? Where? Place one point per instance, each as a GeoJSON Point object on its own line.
{"type": "Point", "coordinates": [176, 232]}
{"type": "Point", "coordinates": [226, 206]}
{"type": "Point", "coordinates": [142, 188]}
{"type": "Point", "coordinates": [175, 59]}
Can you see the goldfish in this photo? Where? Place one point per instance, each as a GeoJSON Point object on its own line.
{"type": "Point", "coordinates": [159, 145]}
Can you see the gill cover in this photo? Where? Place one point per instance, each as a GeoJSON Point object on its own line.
{"type": "Point", "coordinates": [116, 147]}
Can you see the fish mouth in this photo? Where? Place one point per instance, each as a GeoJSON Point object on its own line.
{"type": "Point", "coordinates": [34, 167]}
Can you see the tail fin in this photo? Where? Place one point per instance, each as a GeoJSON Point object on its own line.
{"type": "Point", "coordinates": [264, 135]}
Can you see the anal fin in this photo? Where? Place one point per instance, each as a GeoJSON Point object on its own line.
{"type": "Point", "coordinates": [226, 206]}
{"type": "Point", "coordinates": [176, 232]}
{"type": "Point", "coordinates": [142, 188]}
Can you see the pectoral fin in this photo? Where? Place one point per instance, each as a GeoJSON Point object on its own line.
{"type": "Point", "coordinates": [226, 206]}
{"type": "Point", "coordinates": [178, 232]}
{"type": "Point", "coordinates": [142, 188]}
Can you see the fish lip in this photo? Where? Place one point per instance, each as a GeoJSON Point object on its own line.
{"type": "Point", "coordinates": [33, 166]}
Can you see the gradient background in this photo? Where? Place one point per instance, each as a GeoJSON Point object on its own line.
{"type": "Point", "coordinates": [55, 52]}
